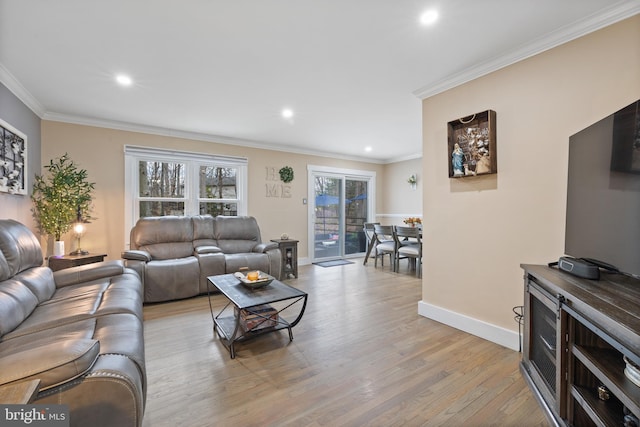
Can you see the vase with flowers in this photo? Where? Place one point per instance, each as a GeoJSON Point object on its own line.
{"type": "Point", "coordinates": [412, 221]}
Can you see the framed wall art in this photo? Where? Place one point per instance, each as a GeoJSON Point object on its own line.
{"type": "Point", "coordinates": [13, 159]}
{"type": "Point", "coordinates": [472, 145]}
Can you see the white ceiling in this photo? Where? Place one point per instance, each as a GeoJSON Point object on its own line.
{"type": "Point", "coordinates": [353, 71]}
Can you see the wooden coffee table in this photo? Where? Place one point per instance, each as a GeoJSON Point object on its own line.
{"type": "Point", "coordinates": [228, 323]}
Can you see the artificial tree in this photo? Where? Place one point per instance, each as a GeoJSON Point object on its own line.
{"type": "Point", "coordinates": [60, 196]}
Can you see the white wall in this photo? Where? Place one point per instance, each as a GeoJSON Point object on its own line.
{"type": "Point", "coordinates": [480, 229]}
{"type": "Point", "coordinates": [399, 199]}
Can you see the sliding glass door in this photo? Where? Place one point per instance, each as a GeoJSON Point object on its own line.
{"type": "Point", "coordinates": [356, 213]}
{"type": "Point", "coordinates": [340, 204]}
{"type": "Point", "coordinates": [328, 224]}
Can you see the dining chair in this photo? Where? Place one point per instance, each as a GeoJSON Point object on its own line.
{"type": "Point", "coordinates": [385, 245]}
{"type": "Point", "coordinates": [369, 233]}
{"type": "Point", "coordinates": [409, 245]}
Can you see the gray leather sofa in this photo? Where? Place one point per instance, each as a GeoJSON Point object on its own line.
{"type": "Point", "coordinates": [174, 255]}
{"type": "Point", "coordinates": [79, 331]}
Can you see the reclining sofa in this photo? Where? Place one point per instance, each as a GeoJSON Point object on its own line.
{"type": "Point", "coordinates": [79, 331]}
{"type": "Point", "coordinates": [174, 255]}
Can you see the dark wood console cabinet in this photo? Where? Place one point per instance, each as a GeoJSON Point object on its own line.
{"type": "Point", "coordinates": [576, 333]}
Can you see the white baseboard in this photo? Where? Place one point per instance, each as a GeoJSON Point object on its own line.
{"type": "Point", "coordinates": [484, 330]}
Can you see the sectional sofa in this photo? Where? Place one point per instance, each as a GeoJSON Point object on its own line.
{"type": "Point", "coordinates": [78, 331]}
{"type": "Point", "coordinates": [174, 255]}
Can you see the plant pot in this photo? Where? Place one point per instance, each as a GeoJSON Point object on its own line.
{"type": "Point", "coordinates": [58, 248]}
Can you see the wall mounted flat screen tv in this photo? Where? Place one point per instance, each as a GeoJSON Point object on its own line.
{"type": "Point", "coordinates": [603, 192]}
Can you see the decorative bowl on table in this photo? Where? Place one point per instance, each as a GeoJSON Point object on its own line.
{"type": "Point", "coordinates": [250, 281]}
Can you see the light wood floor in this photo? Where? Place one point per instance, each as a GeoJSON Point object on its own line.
{"type": "Point", "coordinates": [361, 356]}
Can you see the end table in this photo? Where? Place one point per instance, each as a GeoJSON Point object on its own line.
{"type": "Point", "coordinates": [67, 261]}
{"type": "Point", "coordinates": [289, 250]}
{"type": "Point", "coordinates": [19, 394]}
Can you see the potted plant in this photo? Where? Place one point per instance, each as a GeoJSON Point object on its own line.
{"type": "Point", "coordinates": [61, 196]}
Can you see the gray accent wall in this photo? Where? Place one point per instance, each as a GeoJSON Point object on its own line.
{"type": "Point", "coordinates": [18, 115]}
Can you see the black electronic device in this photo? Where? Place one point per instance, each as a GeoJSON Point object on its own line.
{"type": "Point", "coordinates": [601, 264]}
{"type": "Point", "coordinates": [579, 267]}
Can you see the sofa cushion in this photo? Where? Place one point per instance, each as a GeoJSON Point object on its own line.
{"type": "Point", "coordinates": [163, 237]}
{"type": "Point", "coordinates": [120, 334]}
{"type": "Point", "coordinates": [129, 281]}
{"type": "Point", "coordinates": [19, 249]}
{"type": "Point", "coordinates": [236, 234]}
{"type": "Point", "coordinates": [201, 250]}
{"type": "Point", "coordinates": [53, 363]}
{"type": "Point", "coordinates": [17, 302]}
{"type": "Point", "coordinates": [172, 279]}
{"type": "Point", "coordinates": [40, 282]}
{"type": "Point", "coordinates": [203, 230]}
{"type": "Point", "coordinates": [75, 303]}
{"type": "Point", "coordinates": [83, 329]}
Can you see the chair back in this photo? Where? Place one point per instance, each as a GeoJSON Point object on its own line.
{"type": "Point", "coordinates": [408, 241]}
{"type": "Point", "coordinates": [383, 233]}
{"type": "Point", "coordinates": [409, 244]}
{"type": "Point", "coordinates": [369, 230]}
{"type": "Point", "coordinates": [408, 232]}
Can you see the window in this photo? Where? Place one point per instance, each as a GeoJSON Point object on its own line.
{"type": "Point", "coordinates": [165, 182]}
{"type": "Point", "coordinates": [161, 188]}
{"type": "Point", "coordinates": [217, 185]}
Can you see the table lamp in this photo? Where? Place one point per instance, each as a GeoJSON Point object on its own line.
{"type": "Point", "coordinates": [79, 228]}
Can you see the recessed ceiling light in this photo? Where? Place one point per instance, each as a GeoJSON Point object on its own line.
{"type": "Point", "coordinates": [287, 113]}
{"type": "Point", "coordinates": [368, 149]}
{"type": "Point", "coordinates": [124, 80]}
{"type": "Point", "coordinates": [429, 17]}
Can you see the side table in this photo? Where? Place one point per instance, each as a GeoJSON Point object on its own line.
{"type": "Point", "coordinates": [67, 261]}
{"type": "Point", "coordinates": [19, 394]}
{"type": "Point", "coordinates": [289, 250]}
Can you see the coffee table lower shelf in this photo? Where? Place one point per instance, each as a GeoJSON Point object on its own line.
{"type": "Point", "coordinates": [229, 327]}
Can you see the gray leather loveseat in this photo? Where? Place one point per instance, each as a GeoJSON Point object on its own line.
{"type": "Point", "coordinates": [79, 331]}
{"type": "Point", "coordinates": [174, 255]}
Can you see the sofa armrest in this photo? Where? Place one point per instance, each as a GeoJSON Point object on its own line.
{"type": "Point", "coordinates": [53, 364]}
{"type": "Point", "coordinates": [207, 250]}
{"type": "Point", "coordinates": [85, 273]}
{"type": "Point", "coordinates": [265, 246]}
{"type": "Point", "coordinates": [136, 255]}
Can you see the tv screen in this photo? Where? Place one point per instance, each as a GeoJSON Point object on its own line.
{"type": "Point", "coordinates": [603, 192]}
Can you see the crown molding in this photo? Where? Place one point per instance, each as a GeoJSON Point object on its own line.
{"type": "Point", "coordinates": [174, 133]}
{"type": "Point", "coordinates": [618, 12]}
{"type": "Point", "coordinates": [7, 79]}
{"type": "Point", "coordinates": [404, 158]}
